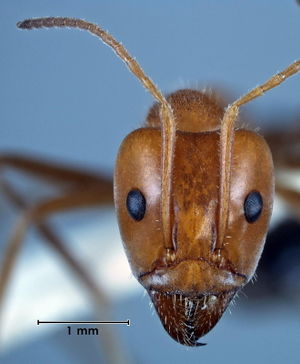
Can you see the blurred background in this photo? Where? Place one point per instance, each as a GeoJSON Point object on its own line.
{"type": "Point", "coordinates": [67, 98]}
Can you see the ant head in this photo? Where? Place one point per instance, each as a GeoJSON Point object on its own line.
{"type": "Point", "coordinates": [199, 275]}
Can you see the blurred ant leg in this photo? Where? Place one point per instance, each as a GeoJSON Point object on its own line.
{"type": "Point", "coordinates": [288, 166]}
{"type": "Point", "coordinates": [52, 171]}
{"type": "Point", "coordinates": [115, 353]}
{"type": "Point", "coordinates": [35, 214]}
{"type": "Point", "coordinates": [87, 190]}
{"type": "Point", "coordinates": [285, 150]}
{"type": "Point", "coordinates": [291, 196]}
{"type": "Point", "coordinates": [56, 242]}
{"type": "Point", "coordinates": [289, 163]}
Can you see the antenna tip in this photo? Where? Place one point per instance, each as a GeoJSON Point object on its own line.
{"type": "Point", "coordinates": [24, 24]}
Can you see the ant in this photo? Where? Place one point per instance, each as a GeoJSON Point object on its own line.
{"type": "Point", "coordinates": [193, 197]}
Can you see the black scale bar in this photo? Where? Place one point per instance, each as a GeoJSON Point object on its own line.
{"type": "Point", "coordinates": [38, 322]}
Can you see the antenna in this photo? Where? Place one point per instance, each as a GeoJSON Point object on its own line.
{"type": "Point", "coordinates": [166, 113]}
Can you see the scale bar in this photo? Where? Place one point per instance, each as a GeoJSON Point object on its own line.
{"type": "Point", "coordinates": [38, 322]}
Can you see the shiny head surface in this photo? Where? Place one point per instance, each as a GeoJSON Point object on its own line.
{"type": "Point", "coordinates": [192, 288]}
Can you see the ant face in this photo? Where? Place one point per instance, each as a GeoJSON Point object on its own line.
{"type": "Point", "coordinates": [200, 277]}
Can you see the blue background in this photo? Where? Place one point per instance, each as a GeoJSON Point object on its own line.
{"type": "Point", "coordinates": [67, 97]}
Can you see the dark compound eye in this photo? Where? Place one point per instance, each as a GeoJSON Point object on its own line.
{"type": "Point", "coordinates": [253, 206]}
{"type": "Point", "coordinates": [136, 204]}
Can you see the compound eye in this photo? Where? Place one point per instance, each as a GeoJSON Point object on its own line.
{"type": "Point", "coordinates": [253, 206]}
{"type": "Point", "coordinates": [136, 204]}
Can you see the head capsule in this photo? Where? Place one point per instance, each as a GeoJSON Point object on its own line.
{"type": "Point", "coordinates": [191, 290]}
